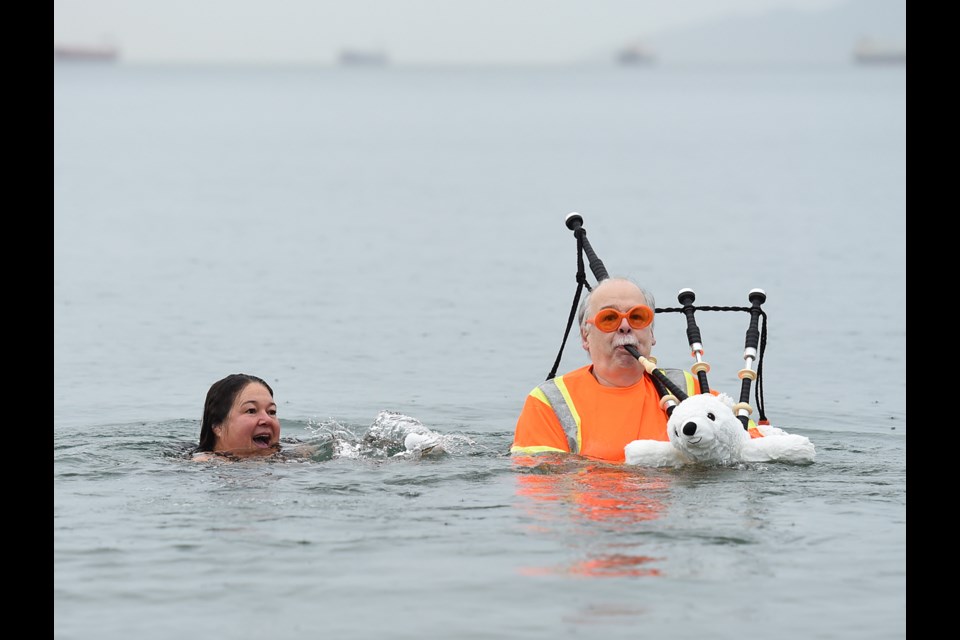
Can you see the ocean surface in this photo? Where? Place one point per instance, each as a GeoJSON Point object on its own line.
{"type": "Point", "coordinates": [393, 240]}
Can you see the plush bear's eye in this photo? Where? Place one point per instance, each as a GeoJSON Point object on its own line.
{"type": "Point", "coordinates": [711, 416]}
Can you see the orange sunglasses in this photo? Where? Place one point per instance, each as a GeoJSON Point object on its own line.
{"type": "Point", "coordinates": [608, 320]}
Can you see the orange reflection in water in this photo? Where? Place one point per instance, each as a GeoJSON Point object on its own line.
{"type": "Point", "coordinates": [587, 502]}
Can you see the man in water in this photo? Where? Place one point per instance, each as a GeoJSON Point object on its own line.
{"type": "Point", "coordinates": [596, 410]}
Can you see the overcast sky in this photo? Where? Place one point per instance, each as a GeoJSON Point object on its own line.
{"type": "Point", "coordinates": [409, 31]}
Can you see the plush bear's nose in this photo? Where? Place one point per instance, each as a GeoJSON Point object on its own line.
{"type": "Point", "coordinates": [690, 428]}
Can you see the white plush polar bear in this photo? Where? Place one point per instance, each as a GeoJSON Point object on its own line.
{"type": "Point", "coordinates": [703, 429]}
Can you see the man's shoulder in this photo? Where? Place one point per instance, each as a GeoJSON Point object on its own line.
{"type": "Point", "coordinates": [577, 374]}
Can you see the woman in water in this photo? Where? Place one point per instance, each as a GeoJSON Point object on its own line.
{"type": "Point", "coordinates": [239, 419]}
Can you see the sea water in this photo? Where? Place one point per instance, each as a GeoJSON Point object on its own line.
{"type": "Point", "coordinates": [393, 239]}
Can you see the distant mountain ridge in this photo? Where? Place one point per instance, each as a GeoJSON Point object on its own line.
{"type": "Point", "coordinates": [785, 35]}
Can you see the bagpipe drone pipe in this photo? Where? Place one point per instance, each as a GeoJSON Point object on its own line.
{"type": "Point", "coordinates": [670, 394]}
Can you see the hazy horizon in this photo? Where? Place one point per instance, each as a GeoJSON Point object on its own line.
{"type": "Point", "coordinates": [412, 32]}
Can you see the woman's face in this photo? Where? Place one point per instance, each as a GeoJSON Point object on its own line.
{"type": "Point", "coordinates": [252, 426]}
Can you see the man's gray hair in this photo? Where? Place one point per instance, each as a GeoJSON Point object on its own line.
{"type": "Point", "coordinates": [581, 313]}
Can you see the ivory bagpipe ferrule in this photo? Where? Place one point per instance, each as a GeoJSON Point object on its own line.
{"type": "Point", "coordinates": [749, 373]}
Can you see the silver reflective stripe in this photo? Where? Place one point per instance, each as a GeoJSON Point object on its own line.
{"type": "Point", "coordinates": [559, 406]}
{"type": "Point", "coordinates": [679, 378]}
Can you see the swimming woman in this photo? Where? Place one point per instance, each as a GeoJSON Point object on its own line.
{"type": "Point", "coordinates": [239, 419]}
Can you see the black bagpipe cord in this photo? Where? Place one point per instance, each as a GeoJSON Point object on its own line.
{"type": "Point", "coordinates": [581, 283]}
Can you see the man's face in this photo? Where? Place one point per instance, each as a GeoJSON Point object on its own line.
{"type": "Point", "coordinates": [607, 350]}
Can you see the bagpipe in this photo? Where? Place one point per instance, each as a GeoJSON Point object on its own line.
{"type": "Point", "coordinates": [670, 394]}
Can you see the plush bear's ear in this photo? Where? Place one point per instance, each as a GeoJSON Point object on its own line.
{"type": "Point", "coordinates": [725, 399]}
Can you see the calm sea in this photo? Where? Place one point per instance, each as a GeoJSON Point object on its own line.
{"type": "Point", "coordinates": [376, 240]}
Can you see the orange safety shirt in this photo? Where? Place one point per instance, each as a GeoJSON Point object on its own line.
{"type": "Point", "coordinates": [607, 418]}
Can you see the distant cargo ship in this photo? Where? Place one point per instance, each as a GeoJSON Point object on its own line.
{"type": "Point", "coordinates": [356, 57]}
{"type": "Point", "coordinates": [868, 51]}
{"type": "Point", "coordinates": [635, 54]}
{"type": "Point", "coordinates": [66, 53]}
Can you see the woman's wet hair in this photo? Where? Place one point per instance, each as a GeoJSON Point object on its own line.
{"type": "Point", "coordinates": [220, 399]}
